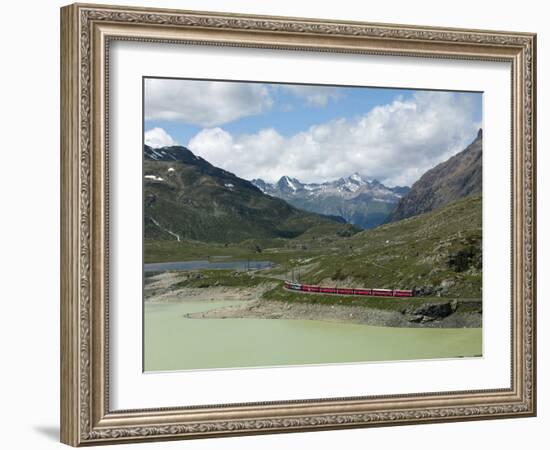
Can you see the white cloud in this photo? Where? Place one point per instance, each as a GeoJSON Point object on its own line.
{"type": "Point", "coordinates": [395, 143]}
{"type": "Point", "coordinates": [157, 137]}
{"type": "Point", "coordinates": [204, 103]}
{"type": "Point", "coordinates": [313, 95]}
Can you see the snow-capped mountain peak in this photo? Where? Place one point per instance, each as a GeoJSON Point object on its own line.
{"type": "Point", "coordinates": [357, 178]}
{"type": "Point", "coordinates": [353, 182]}
{"type": "Point", "coordinates": [348, 196]}
{"type": "Point", "coordinates": [289, 184]}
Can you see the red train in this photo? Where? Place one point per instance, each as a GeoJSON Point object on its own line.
{"type": "Point", "coordinates": [348, 291]}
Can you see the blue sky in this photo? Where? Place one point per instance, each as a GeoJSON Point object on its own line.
{"type": "Point", "coordinates": [314, 133]}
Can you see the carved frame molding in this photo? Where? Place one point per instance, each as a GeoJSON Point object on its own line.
{"type": "Point", "coordinates": [86, 31]}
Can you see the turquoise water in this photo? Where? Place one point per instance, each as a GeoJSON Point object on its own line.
{"type": "Point", "coordinates": [173, 342]}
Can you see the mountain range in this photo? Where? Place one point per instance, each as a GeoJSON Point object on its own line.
{"type": "Point", "coordinates": [187, 198]}
{"type": "Point", "coordinates": [362, 202]}
{"type": "Point", "coordinates": [457, 178]}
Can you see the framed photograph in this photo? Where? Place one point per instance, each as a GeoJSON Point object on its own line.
{"type": "Point", "coordinates": [278, 224]}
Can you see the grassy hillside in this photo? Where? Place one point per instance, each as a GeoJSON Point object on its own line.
{"type": "Point", "coordinates": [437, 253]}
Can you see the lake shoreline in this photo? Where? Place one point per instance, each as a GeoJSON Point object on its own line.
{"type": "Point", "coordinates": [162, 288]}
{"type": "Point", "coordinates": [269, 309]}
{"type": "Point", "coordinates": [252, 305]}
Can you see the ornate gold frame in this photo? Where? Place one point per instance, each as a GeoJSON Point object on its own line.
{"type": "Point", "coordinates": [86, 31]}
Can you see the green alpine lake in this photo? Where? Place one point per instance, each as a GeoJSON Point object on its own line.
{"type": "Point", "coordinates": [174, 342]}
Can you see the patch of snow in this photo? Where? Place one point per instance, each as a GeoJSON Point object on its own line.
{"type": "Point", "coordinates": [229, 185]}
{"type": "Point", "coordinates": [352, 187]}
{"type": "Point", "coordinates": [156, 155]}
{"type": "Point", "coordinates": [154, 178]}
{"type": "Point", "coordinates": [177, 236]}
{"type": "Point", "coordinates": [171, 169]}
{"type": "Point", "coordinates": [290, 183]}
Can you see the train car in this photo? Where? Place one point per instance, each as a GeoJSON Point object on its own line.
{"type": "Point", "coordinates": [293, 286]}
{"type": "Point", "coordinates": [348, 291]}
{"type": "Point", "coordinates": [362, 291]}
{"type": "Point", "coordinates": [402, 293]}
{"type": "Point", "coordinates": [344, 291]}
{"type": "Point", "coordinates": [309, 288]}
{"type": "Point", "coordinates": [314, 288]}
{"type": "Point", "coordinates": [327, 290]}
{"type": "Point", "coordinates": [382, 292]}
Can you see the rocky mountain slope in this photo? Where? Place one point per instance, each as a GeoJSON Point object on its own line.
{"type": "Point", "coordinates": [456, 178]}
{"type": "Point", "coordinates": [186, 197]}
{"type": "Point", "coordinates": [361, 202]}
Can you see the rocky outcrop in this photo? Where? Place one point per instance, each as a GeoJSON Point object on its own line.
{"type": "Point", "coordinates": [430, 311]}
